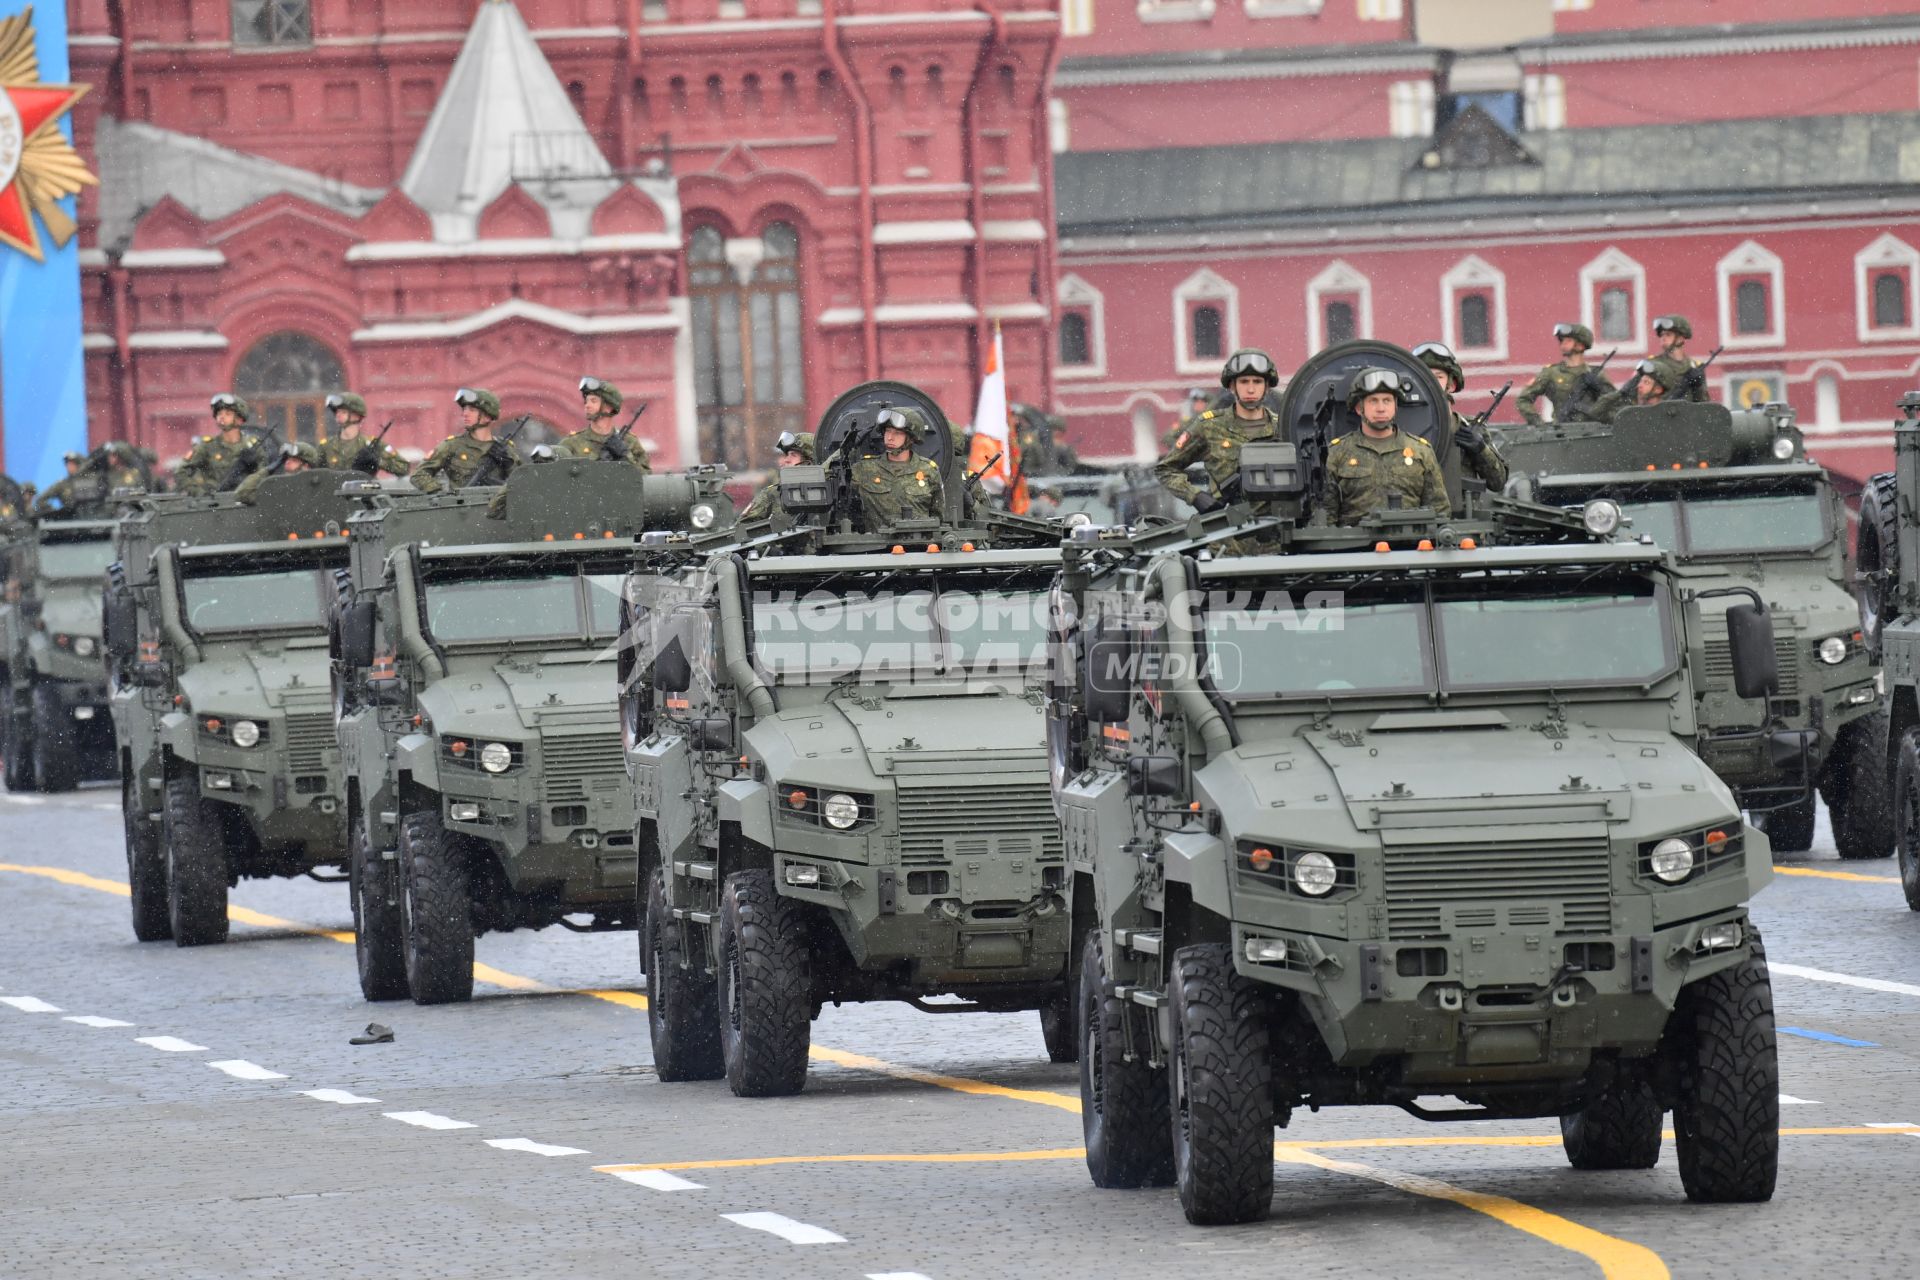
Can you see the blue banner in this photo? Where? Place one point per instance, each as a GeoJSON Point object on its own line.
{"type": "Point", "coordinates": [43, 406]}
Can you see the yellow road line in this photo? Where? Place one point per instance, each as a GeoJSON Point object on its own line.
{"type": "Point", "coordinates": [77, 878]}
{"type": "Point", "coordinates": [758, 1162]}
{"type": "Point", "coordinates": [959, 1084]}
{"type": "Point", "coordinates": [1834, 875]}
{"type": "Point", "coordinates": [1617, 1259]}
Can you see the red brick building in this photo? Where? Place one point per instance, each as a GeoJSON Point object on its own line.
{"type": "Point", "coordinates": [733, 208]}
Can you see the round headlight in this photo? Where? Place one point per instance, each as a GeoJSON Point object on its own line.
{"type": "Point", "coordinates": [1672, 860]}
{"type": "Point", "coordinates": [83, 645]}
{"type": "Point", "coordinates": [700, 516]}
{"type": "Point", "coordinates": [1314, 874]}
{"type": "Point", "coordinates": [1832, 650]}
{"type": "Point", "coordinates": [1079, 520]}
{"type": "Point", "coordinates": [840, 810]}
{"type": "Point", "coordinates": [1783, 447]}
{"type": "Point", "coordinates": [496, 757]}
{"type": "Point", "coordinates": [1601, 516]}
{"type": "Point", "coordinates": [245, 733]}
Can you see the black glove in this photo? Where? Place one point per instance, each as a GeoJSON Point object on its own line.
{"type": "Point", "coordinates": [367, 461]}
{"type": "Point", "coordinates": [1204, 502]}
{"type": "Point", "coordinates": [1469, 438]}
{"type": "Point", "coordinates": [252, 459]}
{"type": "Point", "coordinates": [616, 448]}
{"type": "Point", "coordinates": [497, 451]}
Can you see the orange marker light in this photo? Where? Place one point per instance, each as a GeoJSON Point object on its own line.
{"type": "Point", "coordinates": [1650, 466]}
{"type": "Point", "coordinates": [546, 537]}
{"type": "Point", "coordinates": [416, 722]}
{"type": "Point", "coordinates": [1426, 544]}
{"type": "Point", "coordinates": [579, 537]}
{"type": "Point", "coordinates": [933, 546]}
{"type": "Point", "coordinates": [1468, 544]}
{"type": "Point", "coordinates": [320, 533]}
{"type": "Point", "coordinates": [1703, 466]}
{"type": "Point", "coordinates": [1193, 806]}
{"type": "Point", "coordinates": [293, 537]}
{"type": "Point", "coordinates": [899, 550]}
{"type": "Point", "coordinates": [1716, 839]}
{"type": "Point", "coordinates": [607, 534]}
{"type": "Point", "coordinates": [213, 726]}
{"type": "Point", "coordinates": [1260, 859]}
{"type": "Point", "coordinates": [1382, 547]}
{"type": "Point", "coordinates": [966, 546]}
{"type": "Point", "coordinates": [458, 747]}
{"type": "Point", "coordinates": [797, 799]}
{"type": "Point", "coordinates": [1676, 466]}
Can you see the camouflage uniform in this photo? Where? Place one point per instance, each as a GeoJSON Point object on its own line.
{"type": "Point", "coordinates": [212, 461]}
{"type": "Point", "coordinates": [1480, 458]}
{"type": "Point", "coordinates": [1214, 440]}
{"type": "Point", "coordinates": [769, 496]}
{"type": "Point", "coordinates": [309, 457]}
{"type": "Point", "coordinates": [585, 444]}
{"type": "Point", "coordinates": [340, 454]}
{"type": "Point", "coordinates": [1570, 390]}
{"type": "Point", "coordinates": [891, 491]}
{"type": "Point", "coordinates": [84, 489]}
{"type": "Point", "coordinates": [1364, 473]}
{"type": "Point", "coordinates": [1675, 367]}
{"type": "Point", "coordinates": [457, 459]}
{"type": "Point", "coordinates": [1662, 373]}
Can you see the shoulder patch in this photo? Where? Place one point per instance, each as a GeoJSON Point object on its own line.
{"type": "Point", "coordinates": [1206, 413]}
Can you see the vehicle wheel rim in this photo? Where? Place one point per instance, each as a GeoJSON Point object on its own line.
{"type": "Point", "coordinates": [733, 986]}
{"type": "Point", "coordinates": [1096, 1072]}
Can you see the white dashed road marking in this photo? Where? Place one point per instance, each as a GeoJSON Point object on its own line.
{"type": "Point", "coordinates": [241, 1069]}
{"type": "Point", "coordinates": [657, 1180]}
{"type": "Point", "coordinates": [340, 1096]}
{"type": "Point", "coordinates": [170, 1044]}
{"type": "Point", "coordinates": [1788, 1100]}
{"type": "Point", "coordinates": [786, 1228]}
{"type": "Point", "coordinates": [895, 1275]}
{"type": "Point", "coordinates": [93, 1020]}
{"type": "Point", "coordinates": [531, 1147]}
{"type": "Point", "coordinates": [426, 1120]}
{"type": "Point", "coordinates": [30, 1004]}
{"type": "Point", "coordinates": [1844, 979]}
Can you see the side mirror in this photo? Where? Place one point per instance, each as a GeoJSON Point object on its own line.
{"type": "Point", "coordinates": [118, 624]}
{"type": "Point", "coordinates": [711, 733]}
{"type": "Point", "coordinates": [1107, 678]}
{"type": "Point", "coordinates": [1756, 669]}
{"type": "Point", "coordinates": [1153, 775]}
{"type": "Point", "coordinates": [357, 622]}
{"type": "Point", "coordinates": [672, 672]}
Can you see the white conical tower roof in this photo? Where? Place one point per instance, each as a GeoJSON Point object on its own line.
{"type": "Point", "coordinates": [501, 98]}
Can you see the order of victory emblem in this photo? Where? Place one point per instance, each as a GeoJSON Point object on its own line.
{"type": "Point", "coordinates": [38, 166]}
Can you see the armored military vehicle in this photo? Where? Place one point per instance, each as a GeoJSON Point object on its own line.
{"type": "Point", "coordinates": [1888, 557]}
{"type": "Point", "coordinates": [476, 712]}
{"type": "Point", "coordinates": [1403, 811]}
{"type": "Point", "coordinates": [836, 742]}
{"type": "Point", "coordinates": [1735, 498]}
{"type": "Point", "coordinates": [54, 728]}
{"type": "Point", "coordinates": [216, 618]}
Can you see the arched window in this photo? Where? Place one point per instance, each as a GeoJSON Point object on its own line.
{"type": "Point", "coordinates": [286, 378]}
{"type": "Point", "coordinates": [1890, 300]}
{"type": "Point", "coordinates": [1474, 330]}
{"type": "Point", "coordinates": [1616, 314]}
{"type": "Point", "coordinates": [748, 350]}
{"type": "Point", "coordinates": [1074, 348]}
{"type": "Point", "coordinates": [1339, 322]}
{"type": "Point", "coordinates": [1750, 307]}
{"type": "Point", "coordinates": [1207, 324]}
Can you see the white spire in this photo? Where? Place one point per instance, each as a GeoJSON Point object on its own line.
{"type": "Point", "coordinates": [503, 102]}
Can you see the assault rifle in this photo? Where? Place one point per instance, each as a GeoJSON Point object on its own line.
{"type": "Point", "coordinates": [493, 461]}
{"type": "Point", "coordinates": [240, 470]}
{"type": "Point", "coordinates": [609, 452]}
{"type": "Point", "coordinates": [367, 459]}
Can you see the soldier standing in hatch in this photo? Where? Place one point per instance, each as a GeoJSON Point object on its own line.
{"type": "Point", "coordinates": [293, 458]}
{"type": "Point", "coordinates": [1477, 455]}
{"type": "Point", "coordinates": [1199, 400]}
{"type": "Point", "coordinates": [458, 458]}
{"type": "Point", "coordinates": [598, 439]}
{"type": "Point", "coordinates": [1368, 469]}
{"type": "Point", "coordinates": [1571, 386]}
{"type": "Point", "coordinates": [897, 483]}
{"type": "Point", "coordinates": [67, 491]}
{"type": "Point", "coordinates": [347, 450]}
{"type": "Point", "coordinates": [208, 467]}
{"type": "Point", "coordinates": [1672, 332]}
{"type": "Point", "coordinates": [1215, 437]}
{"type": "Point", "coordinates": [793, 449]}
{"type": "Point", "coordinates": [1652, 382]}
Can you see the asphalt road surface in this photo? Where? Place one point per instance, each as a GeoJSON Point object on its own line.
{"type": "Point", "coordinates": [199, 1113]}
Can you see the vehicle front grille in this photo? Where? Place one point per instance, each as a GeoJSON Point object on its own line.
{"type": "Point", "coordinates": [579, 765]}
{"type": "Point", "coordinates": [939, 824]}
{"type": "Point", "coordinates": [1786, 653]}
{"type": "Point", "coordinates": [309, 740]}
{"type": "Point", "coordinates": [1433, 889]}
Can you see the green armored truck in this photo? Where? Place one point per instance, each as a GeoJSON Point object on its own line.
{"type": "Point", "coordinates": [476, 711]}
{"type": "Point", "coordinates": [1736, 500]}
{"type": "Point", "coordinates": [836, 742]}
{"type": "Point", "coordinates": [1888, 558]}
{"type": "Point", "coordinates": [216, 626]}
{"type": "Point", "coordinates": [54, 729]}
{"type": "Point", "coordinates": [1404, 811]}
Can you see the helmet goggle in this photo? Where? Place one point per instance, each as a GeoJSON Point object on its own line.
{"type": "Point", "coordinates": [467, 398]}
{"type": "Point", "coordinates": [787, 443]}
{"type": "Point", "coordinates": [1252, 364]}
{"type": "Point", "coordinates": [1646, 366]}
{"type": "Point", "coordinates": [1374, 381]}
{"type": "Point", "coordinates": [336, 402]}
{"type": "Point", "coordinates": [288, 451]}
{"type": "Point", "coordinates": [1442, 350]}
{"type": "Point", "coordinates": [892, 420]}
{"type": "Point", "coordinates": [1563, 331]}
{"type": "Point", "coordinates": [591, 386]}
{"type": "Point", "coordinates": [1664, 323]}
{"type": "Point", "coordinates": [225, 401]}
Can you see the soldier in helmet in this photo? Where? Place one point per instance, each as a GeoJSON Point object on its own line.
{"type": "Point", "coordinates": [1198, 401]}
{"type": "Point", "coordinates": [15, 498]}
{"type": "Point", "coordinates": [1214, 437]}
{"type": "Point", "coordinates": [65, 492]}
{"type": "Point", "coordinates": [348, 450]}
{"type": "Point", "coordinates": [792, 449]}
{"type": "Point", "coordinates": [1652, 382]}
{"type": "Point", "coordinates": [598, 439]}
{"type": "Point", "coordinates": [1570, 386]}
{"type": "Point", "coordinates": [295, 457]}
{"type": "Point", "coordinates": [1380, 467]}
{"type": "Point", "coordinates": [897, 483]}
{"type": "Point", "coordinates": [1672, 332]}
{"type": "Point", "coordinates": [1477, 455]}
{"type": "Point", "coordinates": [458, 458]}
{"type": "Point", "coordinates": [214, 457]}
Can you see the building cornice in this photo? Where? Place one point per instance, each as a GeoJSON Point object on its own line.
{"type": "Point", "coordinates": [438, 251]}
{"type": "Point", "coordinates": [178, 340]}
{"type": "Point", "coordinates": [1721, 42]}
{"type": "Point", "coordinates": [514, 309]}
{"type": "Point", "coordinates": [175, 259]}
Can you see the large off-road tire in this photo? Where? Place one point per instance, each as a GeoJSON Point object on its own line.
{"type": "Point", "coordinates": [56, 743]}
{"type": "Point", "coordinates": [683, 1009]}
{"type": "Point", "coordinates": [1789, 828]}
{"type": "Point", "coordinates": [1221, 1085]}
{"type": "Point", "coordinates": [1618, 1129]}
{"type": "Point", "coordinates": [146, 866]}
{"type": "Point", "coordinates": [438, 908]}
{"type": "Point", "coordinates": [1876, 559]}
{"type": "Point", "coordinates": [379, 919]}
{"type": "Point", "coordinates": [1726, 1119]}
{"type": "Point", "coordinates": [16, 737]}
{"type": "Point", "coordinates": [765, 988]}
{"type": "Point", "coordinates": [1059, 1028]}
{"type": "Point", "coordinates": [1863, 821]}
{"type": "Point", "coordinates": [1906, 829]}
{"type": "Point", "coordinates": [196, 865]}
{"type": "Point", "coordinates": [1123, 1101]}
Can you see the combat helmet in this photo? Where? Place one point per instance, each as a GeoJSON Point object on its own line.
{"type": "Point", "coordinates": [609, 394]}
{"type": "Point", "coordinates": [1249, 360]}
{"type": "Point", "coordinates": [1439, 357]}
{"type": "Point", "coordinates": [1678, 324]}
{"type": "Point", "coordinates": [1659, 372]}
{"type": "Point", "coordinates": [908, 420]}
{"type": "Point", "coordinates": [1374, 379]}
{"type": "Point", "coordinates": [298, 451]}
{"type": "Point", "coordinates": [228, 400]}
{"type": "Point", "coordinates": [478, 398]}
{"type": "Point", "coordinates": [800, 442]}
{"type": "Point", "coordinates": [349, 401]}
{"type": "Point", "coordinates": [1578, 332]}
